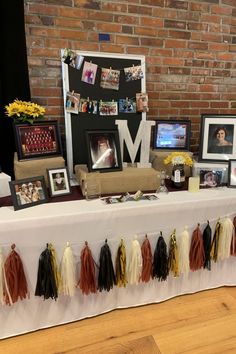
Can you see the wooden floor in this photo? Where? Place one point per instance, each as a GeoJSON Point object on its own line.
{"type": "Point", "coordinates": [200, 323]}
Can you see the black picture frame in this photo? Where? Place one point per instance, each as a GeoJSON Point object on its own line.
{"type": "Point", "coordinates": [103, 150]}
{"type": "Point", "coordinates": [232, 173]}
{"type": "Point", "coordinates": [37, 140]}
{"type": "Point", "coordinates": [217, 138]}
{"type": "Point", "coordinates": [58, 181]}
{"type": "Point", "coordinates": [28, 192]}
{"type": "Point", "coordinates": [172, 135]}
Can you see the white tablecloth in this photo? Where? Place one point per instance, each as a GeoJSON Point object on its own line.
{"type": "Point", "coordinates": [79, 221]}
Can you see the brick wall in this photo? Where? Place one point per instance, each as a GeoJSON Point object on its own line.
{"type": "Point", "coordinates": [190, 49]}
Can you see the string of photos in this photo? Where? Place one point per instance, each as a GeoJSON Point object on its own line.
{"type": "Point", "coordinates": [109, 79]}
{"type": "Point", "coordinates": [182, 254]}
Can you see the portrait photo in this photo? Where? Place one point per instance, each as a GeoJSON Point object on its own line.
{"type": "Point", "coordinates": [28, 192]}
{"type": "Point", "coordinates": [58, 181]}
{"type": "Point", "coordinates": [217, 138]}
{"type": "Point", "coordinates": [89, 73]}
{"type": "Point", "coordinates": [103, 150]}
{"type": "Point", "coordinates": [72, 102]}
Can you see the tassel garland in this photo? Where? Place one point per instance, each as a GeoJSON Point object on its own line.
{"type": "Point", "coordinates": [173, 260]}
{"type": "Point", "coordinates": [87, 281]}
{"type": "Point", "coordinates": [196, 253]}
{"type": "Point", "coordinates": [207, 246]}
{"type": "Point", "coordinates": [68, 281]}
{"type": "Point", "coordinates": [15, 280]}
{"type": "Point", "coordinates": [160, 260]}
{"type": "Point", "coordinates": [184, 252]}
{"type": "Point", "coordinates": [121, 278]}
{"type": "Point", "coordinates": [147, 260]}
{"type": "Point", "coordinates": [135, 263]}
{"type": "Point", "coordinates": [106, 275]}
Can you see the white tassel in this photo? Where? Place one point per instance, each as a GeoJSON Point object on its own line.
{"type": "Point", "coordinates": [184, 247]}
{"type": "Point", "coordinates": [135, 263]}
{"type": "Point", "coordinates": [68, 278]}
{"type": "Point", "coordinates": [1, 278]}
{"type": "Point", "coordinates": [225, 238]}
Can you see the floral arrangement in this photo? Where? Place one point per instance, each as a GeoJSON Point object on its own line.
{"type": "Point", "coordinates": [24, 112]}
{"type": "Point", "coordinates": [178, 158]}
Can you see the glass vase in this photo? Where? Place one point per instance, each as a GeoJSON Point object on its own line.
{"type": "Point", "coordinates": [178, 176]}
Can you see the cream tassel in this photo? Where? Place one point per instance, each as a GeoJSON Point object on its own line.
{"type": "Point", "coordinates": [225, 238]}
{"type": "Point", "coordinates": [1, 278]}
{"type": "Point", "coordinates": [135, 263]}
{"type": "Point", "coordinates": [68, 281]}
{"type": "Point", "coordinates": [184, 247]}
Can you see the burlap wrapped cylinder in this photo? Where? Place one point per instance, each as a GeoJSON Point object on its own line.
{"type": "Point", "coordinates": [36, 167]}
{"type": "Point", "coordinates": [157, 160]}
{"type": "Point", "coordinates": [131, 179]}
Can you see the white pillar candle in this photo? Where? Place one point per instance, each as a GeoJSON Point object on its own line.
{"type": "Point", "coordinates": [193, 184]}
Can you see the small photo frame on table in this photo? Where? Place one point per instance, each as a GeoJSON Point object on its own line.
{"type": "Point", "coordinates": [217, 138]}
{"type": "Point", "coordinates": [37, 140]}
{"type": "Point", "coordinates": [28, 192]}
{"type": "Point", "coordinates": [232, 174]}
{"type": "Point", "coordinates": [172, 135]}
{"type": "Point", "coordinates": [211, 178]}
{"type": "Point", "coordinates": [103, 150]}
{"type": "Point", "coordinates": [58, 181]}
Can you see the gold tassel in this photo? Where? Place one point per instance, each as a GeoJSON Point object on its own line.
{"type": "Point", "coordinates": [173, 260]}
{"type": "Point", "coordinates": [121, 279]}
{"type": "Point", "coordinates": [55, 268]}
{"type": "Point", "coordinates": [215, 242]}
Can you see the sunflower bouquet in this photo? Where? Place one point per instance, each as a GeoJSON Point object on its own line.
{"type": "Point", "coordinates": [24, 112]}
{"type": "Point", "coordinates": [178, 158]}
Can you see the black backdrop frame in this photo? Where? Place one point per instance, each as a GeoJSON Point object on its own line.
{"type": "Point", "coordinates": [76, 125]}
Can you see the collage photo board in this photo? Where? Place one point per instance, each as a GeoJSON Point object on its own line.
{"type": "Point", "coordinates": [77, 124]}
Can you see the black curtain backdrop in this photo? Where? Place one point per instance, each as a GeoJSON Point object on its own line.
{"type": "Point", "coordinates": [14, 78]}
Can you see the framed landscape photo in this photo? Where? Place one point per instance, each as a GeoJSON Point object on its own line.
{"type": "Point", "coordinates": [58, 180]}
{"type": "Point", "coordinates": [28, 192]}
{"type": "Point", "coordinates": [103, 150]}
{"type": "Point", "coordinates": [37, 140]}
{"type": "Point", "coordinates": [172, 135]}
{"type": "Point", "coordinates": [217, 138]}
{"type": "Point", "coordinates": [232, 174]}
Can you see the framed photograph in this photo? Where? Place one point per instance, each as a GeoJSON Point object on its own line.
{"type": "Point", "coordinates": [28, 192]}
{"type": "Point", "coordinates": [58, 181]}
{"type": "Point", "coordinates": [211, 178]}
{"type": "Point", "coordinates": [103, 150]}
{"type": "Point", "coordinates": [232, 174]}
{"type": "Point", "coordinates": [172, 135]}
{"type": "Point", "coordinates": [217, 138]}
{"type": "Point", "coordinates": [37, 140]}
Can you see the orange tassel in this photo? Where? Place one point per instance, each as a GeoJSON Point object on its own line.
{"type": "Point", "coordinates": [87, 281]}
{"type": "Point", "coordinates": [15, 280]}
{"type": "Point", "coordinates": [196, 253]}
{"type": "Point", "coordinates": [147, 260]}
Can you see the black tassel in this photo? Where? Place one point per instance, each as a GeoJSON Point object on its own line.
{"type": "Point", "coordinates": [160, 260]}
{"type": "Point", "coordinates": [46, 283]}
{"type": "Point", "coordinates": [207, 246]}
{"type": "Point", "coordinates": [106, 275]}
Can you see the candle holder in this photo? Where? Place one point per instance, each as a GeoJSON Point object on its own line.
{"type": "Point", "coordinates": [162, 188]}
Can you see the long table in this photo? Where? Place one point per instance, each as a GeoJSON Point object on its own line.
{"type": "Point", "coordinates": [92, 221]}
